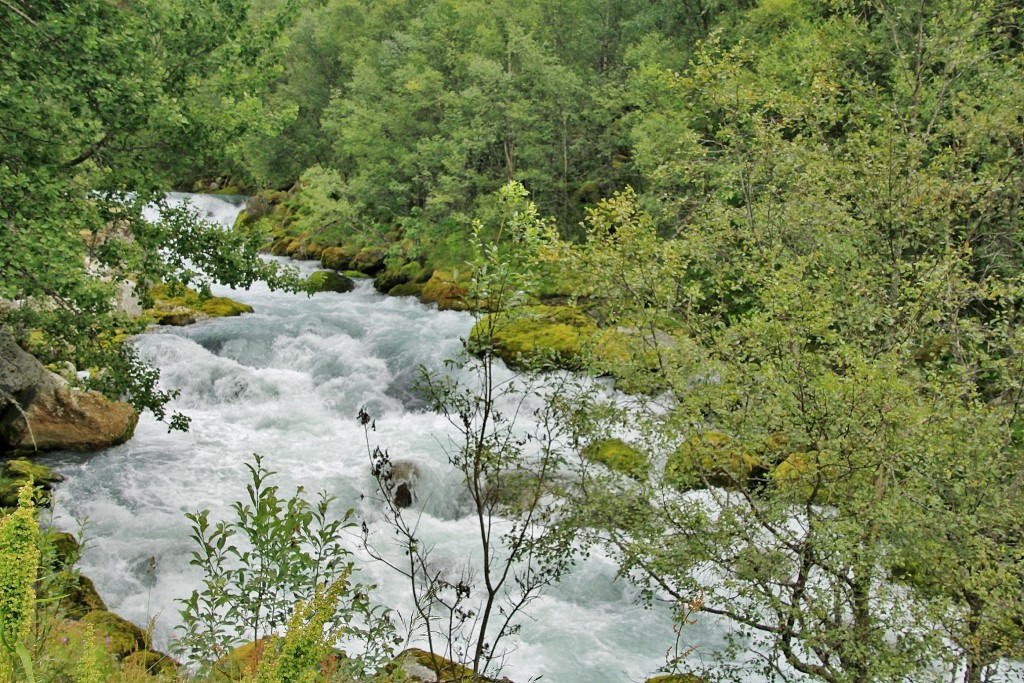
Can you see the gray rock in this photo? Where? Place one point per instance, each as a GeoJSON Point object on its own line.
{"type": "Point", "coordinates": [40, 412]}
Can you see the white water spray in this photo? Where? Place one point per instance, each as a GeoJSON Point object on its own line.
{"type": "Point", "coordinates": [287, 382]}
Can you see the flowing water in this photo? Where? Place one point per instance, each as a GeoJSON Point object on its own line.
{"type": "Point", "coordinates": [287, 382]}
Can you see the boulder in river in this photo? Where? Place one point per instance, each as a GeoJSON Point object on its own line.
{"type": "Point", "coordinates": [184, 307]}
{"type": "Point", "coordinates": [401, 479]}
{"type": "Point", "coordinates": [446, 290]}
{"type": "Point", "coordinates": [119, 636]}
{"type": "Point", "coordinates": [535, 334]}
{"type": "Point", "coordinates": [618, 456]}
{"type": "Point", "coordinates": [330, 281]}
{"type": "Point", "coordinates": [426, 667]}
{"type": "Point", "coordinates": [40, 412]}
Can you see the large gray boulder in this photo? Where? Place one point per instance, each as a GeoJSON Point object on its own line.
{"type": "Point", "coordinates": [40, 412]}
{"type": "Point", "coordinates": [19, 372]}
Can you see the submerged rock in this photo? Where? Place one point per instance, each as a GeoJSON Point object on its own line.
{"type": "Point", "coordinates": [402, 479]}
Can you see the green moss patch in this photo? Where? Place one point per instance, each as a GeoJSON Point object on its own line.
{"type": "Point", "coordinates": [17, 473]}
{"type": "Point", "coordinates": [710, 459]}
{"type": "Point", "coordinates": [618, 456]}
{"type": "Point", "coordinates": [241, 661]}
{"type": "Point", "coordinates": [422, 665]}
{"type": "Point", "coordinates": [185, 306]}
{"type": "Point", "coordinates": [329, 281]}
{"type": "Point", "coordinates": [560, 333]}
{"type": "Point", "coordinates": [339, 258]}
{"type": "Point", "coordinates": [76, 595]}
{"type": "Point", "coordinates": [446, 290]}
{"type": "Point", "coordinates": [119, 636]}
{"type": "Point", "coordinates": [408, 289]}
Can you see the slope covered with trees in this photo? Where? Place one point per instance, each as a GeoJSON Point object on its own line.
{"type": "Point", "coordinates": [801, 218]}
{"type": "Point", "coordinates": [807, 217]}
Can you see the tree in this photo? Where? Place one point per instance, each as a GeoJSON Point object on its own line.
{"type": "Point", "coordinates": [279, 557]}
{"type": "Point", "coordinates": [104, 107]}
{"type": "Point", "coordinates": [819, 285]}
{"type": "Point", "coordinates": [513, 476]}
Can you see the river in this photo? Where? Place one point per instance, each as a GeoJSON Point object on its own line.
{"type": "Point", "coordinates": [287, 381]}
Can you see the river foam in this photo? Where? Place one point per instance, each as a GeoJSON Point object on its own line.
{"type": "Point", "coordinates": [287, 381]}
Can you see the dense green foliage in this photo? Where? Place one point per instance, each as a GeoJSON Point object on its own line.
{"type": "Point", "coordinates": [410, 115]}
{"type": "Point", "coordinates": [826, 265]}
{"type": "Point", "coordinates": [274, 553]}
{"type": "Point", "coordinates": [104, 106]}
{"type": "Point", "coordinates": [801, 219]}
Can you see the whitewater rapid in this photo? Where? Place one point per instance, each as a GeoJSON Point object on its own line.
{"type": "Point", "coordinates": [287, 381]}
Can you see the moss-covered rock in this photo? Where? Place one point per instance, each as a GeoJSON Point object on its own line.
{"type": "Point", "coordinates": [520, 490]}
{"type": "Point", "coordinates": [16, 473]}
{"type": "Point", "coordinates": [119, 636]}
{"type": "Point", "coordinates": [242, 661]}
{"type": "Point", "coordinates": [330, 281]}
{"type": "Point", "coordinates": [75, 594]}
{"type": "Point", "coordinates": [223, 307]}
{"type": "Point", "coordinates": [618, 456]}
{"type": "Point", "coordinates": [560, 333]}
{"type": "Point", "coordinates": [677, 678]}
{"type": "Point", "coordinates": [618, 348]}
{"type": "Point", "coordinates": [389, 279]}
{"type": "Point", "coordinates": [408, 289]}
{"type": "Point", "coordinates": [710, 459]}
{"type": "Point", "coordinates": [186, 306]}
{"type": "Point", "coordinates": [22, 470]}
{"type": "Point", "coordinates": [446, 290]}
{"type": "Point", "coordinates": [280, 246]}
{"type": "Point", "coordinates": [65, 547]}
{"type": "Point", "coordinates": [369, 260]}
{"type": "Point", "coordinates": [355, 275]}
{"type": "Point", "coordinates": [426, 667]}
{"type": "Point", "coordinates": [805, 472]}
{"type": "Point", "coordinates": [397, 275]}
{"type": "Point", "coordinates": [150, 663]}
{"type": "Point", "coordinates": [338, 258]}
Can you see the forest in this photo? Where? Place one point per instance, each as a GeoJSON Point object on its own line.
{"type": "Point", "coordinates": [790, 231]}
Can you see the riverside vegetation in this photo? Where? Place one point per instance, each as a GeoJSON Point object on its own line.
{"type": "Point", "coordinates": [791, 229]}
